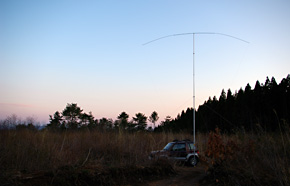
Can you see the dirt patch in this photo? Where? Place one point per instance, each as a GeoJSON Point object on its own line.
{"type": "Point", "coordinates": [186, 176]}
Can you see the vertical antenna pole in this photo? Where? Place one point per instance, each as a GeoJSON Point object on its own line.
{"type": "Point", "coordinates": [193, 95]}
{"type": "Point", "coordinates": [194, 64]}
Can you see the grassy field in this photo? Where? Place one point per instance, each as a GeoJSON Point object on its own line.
{"type": "Point", "coordinates": [109, 158]}
{"type": "Point", "coordinates": [26, 156]}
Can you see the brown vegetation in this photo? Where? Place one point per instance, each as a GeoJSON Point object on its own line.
{"type": "Point", "coordinates": [109, 158]}
{"type": "Point", "coordinates": [249, 159]}
{"type": "Point", "coordinates": [74, 157]}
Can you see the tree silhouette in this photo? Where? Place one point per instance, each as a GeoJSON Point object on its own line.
{"type": "Point", "coordinates": [165, 125]}
{"type": "Point", "coordinates": [223, 96]}
{"type": "Point", "coordinates": [123, 120]}
{"type": "Point", "coordinates": [154, 118]}
{"type": "Point", "coordinates": [141, 121]}
{"type": "Point", "coordinates": [72, 113]}
{"type": "Point", "coordinates": [55, 121]}
{"type": "Point", "coordinates": [266, 106]}
{"type": "Point", "coordinates": [86, 119]}
{"type": "Point", "coordinates": [11, 121]}
{"type": "Point", "coordinates": [105, 124]}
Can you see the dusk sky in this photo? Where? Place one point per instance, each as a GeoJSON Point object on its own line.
{"type": "Point", "coordinates": [54, 52]}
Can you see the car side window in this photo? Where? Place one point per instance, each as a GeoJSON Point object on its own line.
{"type": "Point", "coordinates": [179, 147]}
{"type": "Point", "coordinates": [190, 146]}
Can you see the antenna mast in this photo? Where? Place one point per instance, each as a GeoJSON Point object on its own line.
{"type": "Point", "coordinates": [194, 64]}
{"type": "Point", "coordinates": [193, 54]}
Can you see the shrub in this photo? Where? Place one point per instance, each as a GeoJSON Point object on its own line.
{"type": "Point", "coordinates": [248, 159]}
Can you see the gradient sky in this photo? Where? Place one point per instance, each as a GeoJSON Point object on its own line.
{"type": "Point", "coordinates": [54, 52]}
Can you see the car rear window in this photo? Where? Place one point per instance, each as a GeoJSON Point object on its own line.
{"type": "Point", "coordinates": [191, 146]}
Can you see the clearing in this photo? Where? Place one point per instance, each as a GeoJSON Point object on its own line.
{"type": "Point", "coordinates": [186, 176]}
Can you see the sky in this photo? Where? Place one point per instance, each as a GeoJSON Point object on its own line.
{"type": "Point", "coordinates": [54, 52]}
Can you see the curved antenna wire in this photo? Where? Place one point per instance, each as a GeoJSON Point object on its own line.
{"type": "Point", "coordinates": [172, 35]}
{"type": "Point", "coordinates": [193, 64]}
{"type": "Point", "coordinates": [166, 37]}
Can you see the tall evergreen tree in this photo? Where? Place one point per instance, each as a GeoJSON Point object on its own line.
{"type": "Point", "coordinates": [72, 114]}
{"type": "Point", "coordinates": [123, 120]}
{"type": "Point", "coordinates": [105, 123]}
{"type": "Point", "coordinates": [86, 119]}
{"type": "Point", "coordinates": [154, 118]}
{"type": "Point", "coordinates": [267, 105]}
{"type": "Point", "coordinates": [223, 96]}
{"type": "Point", "coordinates": [55, 121]}
{"type": "Point", "coordinates": [141, 121]}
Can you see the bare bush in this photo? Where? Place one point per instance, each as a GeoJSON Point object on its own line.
{"type": "Point", "coordinates": [249, 159]}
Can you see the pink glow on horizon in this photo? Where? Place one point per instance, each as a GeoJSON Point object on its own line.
{"type": "Point", "coordinates": [15, 105]}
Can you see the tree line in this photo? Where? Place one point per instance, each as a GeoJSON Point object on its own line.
{"type": "Point", "coordinates": [73, 118]}
{"type": "Point", "coordinates": [15, 122]}
{"type": "Point", "coordinates": [266, 107]}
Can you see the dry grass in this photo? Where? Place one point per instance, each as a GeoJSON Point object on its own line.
{"type": "Point", "coordinates": [31, 152]}
{"type": "Point", "coordinates": [249, 159]}
{"type": "Point", "coordinates": [42, 150]}
{"type": "Point", "coordinates": [108, 158]}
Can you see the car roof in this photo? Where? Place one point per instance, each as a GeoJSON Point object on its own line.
{"type": "Point", "coordinates": [182, 141]}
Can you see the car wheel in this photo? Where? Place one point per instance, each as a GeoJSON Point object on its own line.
{"type": "Point", "coordinates": [193, 160]}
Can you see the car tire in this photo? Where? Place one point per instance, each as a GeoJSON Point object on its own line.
{"type": "Point", "coordinates": [193, 160]}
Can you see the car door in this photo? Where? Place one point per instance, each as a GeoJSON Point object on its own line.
{"type": "Point", "coordinates": [178, 151]}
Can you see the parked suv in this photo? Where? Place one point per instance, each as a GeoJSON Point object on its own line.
{"type": "Point", "coordinates": [183, 151]}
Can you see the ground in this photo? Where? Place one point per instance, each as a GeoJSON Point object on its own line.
{"type": "Point", "coordinates": [186, 176]}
